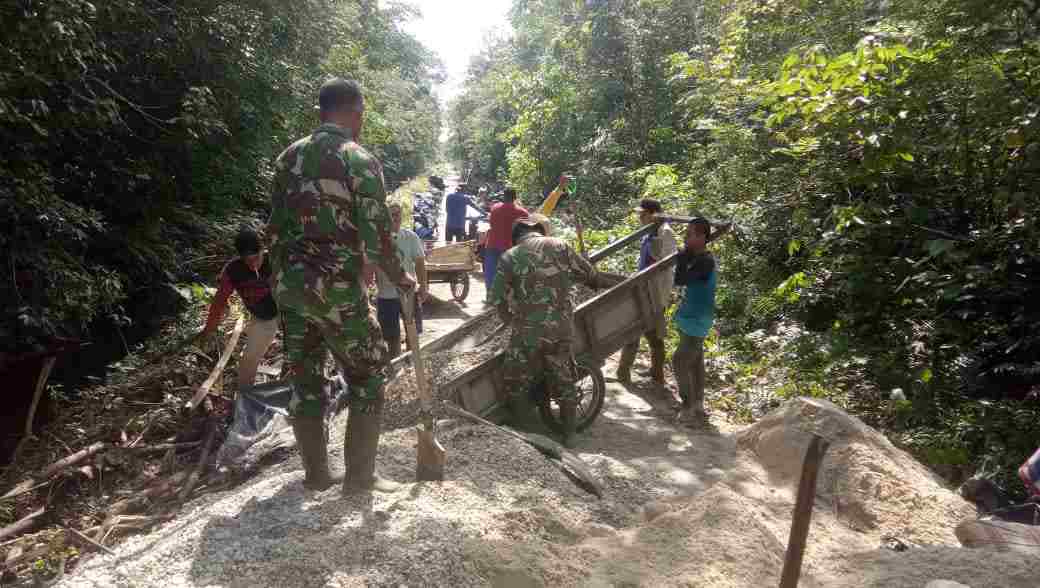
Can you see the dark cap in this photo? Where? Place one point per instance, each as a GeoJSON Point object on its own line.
{"type": "Point", "coordinates": [649, 205]}
{"type": "Point", "coordinates": [247, 242]}
{"type": "Point", "coordinates": [337, 93]}
{"type": "Point", "coordinates": [701, 221]}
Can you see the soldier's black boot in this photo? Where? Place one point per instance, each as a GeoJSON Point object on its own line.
{"type": "Point", "coordinates": [569, 416]}
{"type": "Point", "coordinates": [521, 411]}
{"type": "Point", "coordinates": [360, 444]}
{"type": "Point", "coordinates": [311, 441]}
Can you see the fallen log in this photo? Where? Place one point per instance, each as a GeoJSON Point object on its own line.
{"type": "Point", "coordinates": [23, 525]}
{"type": "Point", "coordinates": [203, 390]}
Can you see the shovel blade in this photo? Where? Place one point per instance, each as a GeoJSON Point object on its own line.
{"type": "Point", "coordinates": [431, 457]}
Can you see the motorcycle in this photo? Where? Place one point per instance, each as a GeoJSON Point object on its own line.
{"type": "Point", "coordinates": [425, 212]}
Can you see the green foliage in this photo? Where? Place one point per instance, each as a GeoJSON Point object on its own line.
{"type": "Point", "coordinates": [133, 132]}
{"type": "Point", "coordinates": [881, 161]}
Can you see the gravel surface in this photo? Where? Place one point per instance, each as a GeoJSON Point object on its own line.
{"type": "Point", "coordinates": [271, 532]}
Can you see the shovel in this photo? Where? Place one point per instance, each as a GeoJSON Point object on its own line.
{"type": "Point", "coordinates": [431, 455]}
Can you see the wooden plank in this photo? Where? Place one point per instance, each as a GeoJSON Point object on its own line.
{"type": "Point", "coordinates": [219, 368]}
{"type": "Point", "coordinates": [802, 512]}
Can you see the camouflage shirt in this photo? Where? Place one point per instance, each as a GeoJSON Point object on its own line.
{"type": "Point", "coordinates": [328, 218]}
{"type": "Point", "coordinates": [532, 287]}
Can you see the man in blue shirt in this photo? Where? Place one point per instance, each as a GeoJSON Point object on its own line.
{"type": "Point", "coordinates": [455, 225]}
{"type": "Point", "coordinates": [695, 271]}
{"type": "Point", "coordinates": [657, 245]}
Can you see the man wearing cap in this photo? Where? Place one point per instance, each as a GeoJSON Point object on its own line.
{"type": "Point", "coordinates": [329, 230]}
{"type": "Point", "coordinates": [455, 207]}
{"type": "Point", "coordinates": [656, 245]}
{"type": "Point", "coordinates": [248, 275]}
{"type": "Point", "coordinates": [532, 294]}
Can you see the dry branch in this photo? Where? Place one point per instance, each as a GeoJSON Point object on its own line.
{"type": "Point", "coordinates": [89, 541]}
{"type": "Point", "coordinates": [22, 525]}
{"type": "Point", "coordinates": [207, 445]}
{"type": "Point", "coordinates": [73, 459]}
{"type": "Point", "coordinates": [41, 383]}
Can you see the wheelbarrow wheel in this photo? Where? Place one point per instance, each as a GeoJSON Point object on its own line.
{"type": "Point", "coordinates": [591, 389]}
{"type": "Point", "coordinates": [460, 286]}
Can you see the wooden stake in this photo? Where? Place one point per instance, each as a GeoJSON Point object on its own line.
{"type": "Point", "coordinates": [41, 385]}
{"type": "Point", "coordinates": [219, 368]}
{"type": "Point", "coordinates": [803, 512]}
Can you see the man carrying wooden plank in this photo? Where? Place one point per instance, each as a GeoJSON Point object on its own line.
{"type": "Point", "coordinates": [329, 230]}
{"type": "Point", "coordinates": [656, 245]}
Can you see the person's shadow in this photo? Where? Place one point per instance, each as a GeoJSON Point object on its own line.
{"type": "Point", "coordinates": [280, 540]}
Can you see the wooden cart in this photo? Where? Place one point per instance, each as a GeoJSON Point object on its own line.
{"type": "Point", "coordinates": [452, 264]}
{"type": "Point", "coordinates": [602, 326]}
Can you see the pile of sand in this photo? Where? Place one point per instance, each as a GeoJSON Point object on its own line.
{"type": "Point", "coordinates": [734, 533]}
{"type": "Point", "coordinates": [869, 484]}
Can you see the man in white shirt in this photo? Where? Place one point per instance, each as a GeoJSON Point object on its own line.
{"type": "Point", "coordinates": [388, 303]}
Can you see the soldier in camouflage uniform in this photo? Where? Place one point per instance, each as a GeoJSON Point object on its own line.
{"type": "Point", "coordinates": [532, 294]}
{"type": "Point", "coordinates": [329, 228]}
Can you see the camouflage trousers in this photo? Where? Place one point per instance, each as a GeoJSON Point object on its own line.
{"type": "Point", "coordinates": [351, 333]}
{"type": "Point", "coordinates": [528, 362]}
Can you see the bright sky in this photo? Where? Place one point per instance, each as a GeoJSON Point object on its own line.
{"type": "Point", "coordinates": [455, 29]}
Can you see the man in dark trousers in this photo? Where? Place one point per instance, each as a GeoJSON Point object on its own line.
{"type": "Point", "coordinates": [696, 273]}
{"type": "Point", "coordinates": [248, 275]}
{"type": "Point", "coordinates": [500, 238]}
{"type": "Point", "coordinates": [455, 209]}
{"type": "Point", "coordinates": [656, 245]}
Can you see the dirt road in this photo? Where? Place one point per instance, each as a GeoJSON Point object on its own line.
{"type": "Point", "coordinates": [441, 313]}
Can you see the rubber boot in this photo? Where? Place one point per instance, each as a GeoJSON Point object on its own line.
{"type": "Point", "coordinates": [569, 416]}
{"type": "Point", "coordinates": [360, 445]}
{"type": "Point", "coordinates": [521, 413]}
{"type": "Point", "coordinates": [628, 357]}
{"type": "Point", "coordinates": [311, 440]}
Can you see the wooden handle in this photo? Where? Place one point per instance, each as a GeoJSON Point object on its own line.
{"type": "Point", "coordinates": [408, 310]}
{"type": "Point", "coordinates": [461, 412]}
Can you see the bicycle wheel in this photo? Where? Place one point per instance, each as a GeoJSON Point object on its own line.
{"type": "Point", "coordinates": [591, 389]}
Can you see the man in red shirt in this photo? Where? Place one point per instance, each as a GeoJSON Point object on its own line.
{"type": "Point", "coordinates": [500, 235]}
{"type": "Point", "coordinates": [248, 274]}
